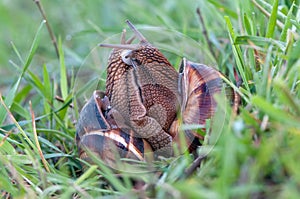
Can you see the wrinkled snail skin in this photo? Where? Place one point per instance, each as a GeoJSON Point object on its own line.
{"type": "Point", "coordinates": [150, 84]}
{"type": "Point", "coordinates": [143, 91]}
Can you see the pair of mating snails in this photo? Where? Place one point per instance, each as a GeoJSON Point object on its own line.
{"type": "Point", "coordinates": [145, 103]}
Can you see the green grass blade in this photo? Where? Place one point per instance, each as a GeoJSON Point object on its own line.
{"type": "Point", "coordinates": [63, 71]}
{"type": "Point", "coordinates": [287, 24]}
{"type": "Point", "coordinates": [280, 15]}
{"type": "Point", "coordinates": [47, 83]}
{"type": "Point", "coordinates": [47, 91]}
{"type": "Point", "coordinates": [266, 78]}
{"type": "Point", "coordinates": [107, 172]}
{"type": "Point", "coordinates": [17, 52]}
{"type": "Point", "coordinates": [237, 53]}
{"type": "Point", "coordinates": [248, 24]}
{"type": "Point", "coordinates": [227, 10]}
{"type": "Point", "coordinates": [26, 122]}
{"type": "Point", "coordinates": [286, 97]}
{"type": "Point", "coordinates": [275, 113]}
{"type": "Point", "coordinates": [272, 21]}
{"type": "Point", "coordinates": [86, 174]}
{"type": "Point", "coordinates": [33, 48]}
{"type": "Point", "coordinates": [260, 41]}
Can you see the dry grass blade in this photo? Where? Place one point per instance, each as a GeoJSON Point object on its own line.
{"type": "Point", "coordinates": [205, 33]}
{"type": "Point", "coordinates": [45, 163]}
{"type": "Point", "coordinates": [5, 137]}
{"type": "Point", "coordinates": [53, 38]}
{"type": "Point", "coordinates": [15, 122]}
{"type": "Point", "coordinates": [60, 99]}
{"type": "Point", "coordinates": [266, 13]}
{"type": "Point", "coordinates": [196, 164]}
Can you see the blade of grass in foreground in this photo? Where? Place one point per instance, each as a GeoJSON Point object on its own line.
{"type": "Point", "coordinates": [259, 41]}
{"type": "Point", "coordinates": [286, 97]}
{"type": "Point", "coordinates": [287, 24]}
{"type": "Point", "coordinates": [25, 122]}
{"type": "Point", "coordinates": [107, 173]}
{"type": "Point", "coordinates": [266, 8]}
{"type": "Point", "coordinates": [63, 71]}
{"type": "Point", "coordinates": [275, 113]}
{"type": "Point", "coordinates": [237, 54]}
{"type": "Point", "coordinates": [16, 123]}
{"type": "Point", "coordinates": [45, 163]}
{"type": "Point", "coordinates": [272, 21]}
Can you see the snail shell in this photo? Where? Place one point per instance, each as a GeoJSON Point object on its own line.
{"type": "Point", "coordinates": [198, 84]}
{"type": "Point", "coordinates": [94, 133]}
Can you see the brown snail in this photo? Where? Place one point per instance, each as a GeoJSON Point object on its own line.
{"type": "Point", "coordinates": [97, 132]}
{"type": "Point", "coordinates": [144, 96]}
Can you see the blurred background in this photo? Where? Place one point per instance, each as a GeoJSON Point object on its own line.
{"type": "Point", "coordinates": [172, 26]}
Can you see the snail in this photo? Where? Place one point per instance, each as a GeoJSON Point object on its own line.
{"type": "Point", "coordinates": [96, 131]}
{"type": "Point", "coordinates": [145, 102]}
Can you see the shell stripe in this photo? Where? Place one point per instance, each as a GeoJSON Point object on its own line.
{"type": "Point", "coordinates": [117, 138]}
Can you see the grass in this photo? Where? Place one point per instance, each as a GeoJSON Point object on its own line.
{"type": "Point", "coordinates": [256, 152]}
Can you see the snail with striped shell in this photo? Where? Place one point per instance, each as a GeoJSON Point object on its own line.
{"type": "Point", "coordinates": [145, 102]}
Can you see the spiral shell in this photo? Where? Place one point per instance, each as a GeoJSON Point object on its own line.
{"type": "Point", "coordinates": [95, 134]}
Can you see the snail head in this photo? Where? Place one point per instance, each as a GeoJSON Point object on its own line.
{"type": "Point", "coordinates": [126, 47]}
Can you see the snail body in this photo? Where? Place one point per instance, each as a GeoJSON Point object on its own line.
{"type": "Point", "coordinates": [143, 99]}
{"type": "Point", "coordinates": [142, 88]}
